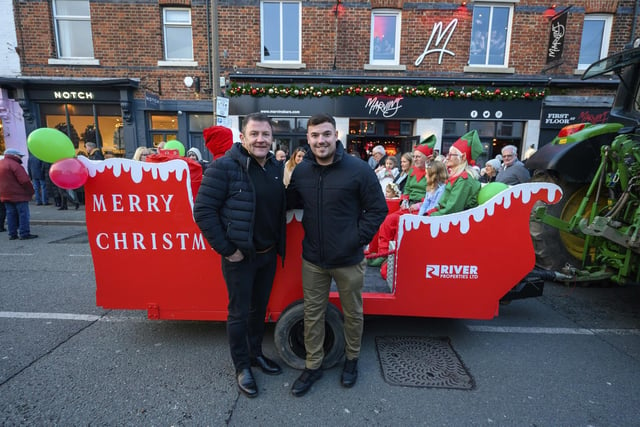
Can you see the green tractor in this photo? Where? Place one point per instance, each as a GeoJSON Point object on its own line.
{"type": "Point", "coordinates": [593, 233]}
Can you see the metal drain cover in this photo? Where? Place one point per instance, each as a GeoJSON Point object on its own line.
{"type": "Point", "coordinates": [422, 362]}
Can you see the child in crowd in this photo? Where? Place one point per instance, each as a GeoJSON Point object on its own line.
{"type": "Point", "coordinates": [388, 173]}
{"type": "Point", "coordinates": [436, 177]}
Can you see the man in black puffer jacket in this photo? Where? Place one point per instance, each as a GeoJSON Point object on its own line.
{"type": "Point", "coordinates": [240, 209]}
{"type": "Point", "coordinates": [343, 208]}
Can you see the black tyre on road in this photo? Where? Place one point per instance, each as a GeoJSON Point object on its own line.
{"type": "Point", "coordinates": [289, 336]}
{"type": "Point", "coordinates": [554, 248]}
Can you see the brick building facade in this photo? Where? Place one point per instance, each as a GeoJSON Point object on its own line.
{"type": "Point", "coordinates": [390, 71]}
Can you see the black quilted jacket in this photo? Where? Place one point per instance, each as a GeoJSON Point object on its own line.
{"type": "Point", "coordinates": [225, 206]}
{"type": "Point", "coordinates": [343, 208]}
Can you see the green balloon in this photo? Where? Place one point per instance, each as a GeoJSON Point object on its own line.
{"type": "Point", "coordinates": [174, 144]}
{"type": "Point", "coordinates": [490, 190]}
{"type": "Point", "coordinates": [50, 145]}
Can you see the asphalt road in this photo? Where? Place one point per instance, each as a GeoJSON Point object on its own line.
{"type": "Point", "coordinates": [569, 358]}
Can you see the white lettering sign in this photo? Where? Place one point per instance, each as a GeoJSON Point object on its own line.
{"type": "Point", "coordinates": [439, 34]}
{"type": "Point", "coordinates": [72, 95]}
{"type": "Point", "coordinates": [387, 108]}
{"type": "Point", "coordinates": [453, 271]}
{"type": "Point", "coordinates": [558, 34]}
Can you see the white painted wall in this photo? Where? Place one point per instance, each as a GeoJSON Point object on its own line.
{"type": "Point", "coordinates": [9, 59]}
{"type": "Point", "coordinates": [427, 127]}
{"type": "Point", "coordinates": [531, 135]}
{"type": "Point", "coordinates": [342, 126]}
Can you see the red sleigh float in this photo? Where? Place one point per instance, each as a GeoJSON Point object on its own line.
{"type": "Point", "coordinates": [149, 254]}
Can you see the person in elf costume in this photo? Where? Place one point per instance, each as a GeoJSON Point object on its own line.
{"type": "Point", "coordinates": [412, 197]}
{"type": "Point", "coordinates": [462, 187]}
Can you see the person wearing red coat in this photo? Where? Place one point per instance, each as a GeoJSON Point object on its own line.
{"type": "Point", "coordinates": [16, 191]}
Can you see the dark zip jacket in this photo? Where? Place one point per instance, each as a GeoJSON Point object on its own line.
{"type": "Point", "coordinates": [225, 206]}
{"type": "Point", "coordinates": [343, 208]}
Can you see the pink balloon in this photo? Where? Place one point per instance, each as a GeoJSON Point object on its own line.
{"type": "Point", "coordinates": [69, 173]}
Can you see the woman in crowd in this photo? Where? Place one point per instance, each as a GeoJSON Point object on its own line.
{"type": "Point", "coordinates": [462, 186]}
{"type": "Point", "coordinates": [289, 166]}
{"type": "Point", "coordinates": [141, 154]}
{"type": "Point", "coordinates": [406, 161]}
{"type": "Point", "coordinates": [490, 171]}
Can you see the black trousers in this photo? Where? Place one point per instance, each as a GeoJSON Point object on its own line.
{"type": "Point", "coordinates": [249, 286]}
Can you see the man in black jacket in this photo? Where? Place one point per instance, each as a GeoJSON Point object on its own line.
{"type": "Point", "coordinates": [343, 208]}
{"type": "Point", "coordinates": [240, 209]}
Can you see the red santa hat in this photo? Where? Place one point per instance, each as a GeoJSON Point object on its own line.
{"type": "Point", "coordinates": [218, 140]}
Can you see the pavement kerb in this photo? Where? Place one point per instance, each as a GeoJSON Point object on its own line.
{"type": "Point", "coordinates": [56, 222]}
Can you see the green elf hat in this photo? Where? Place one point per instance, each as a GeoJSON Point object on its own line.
{"type": "Point", "coordinates": [469, 144]}
{"type": "Point", "coordinates": [426, 146]}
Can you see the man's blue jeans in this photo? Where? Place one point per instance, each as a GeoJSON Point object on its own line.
{"type": "Point", "coordinates": [40, 186]}
{"type": "Point", "coordinates": [17, 216]}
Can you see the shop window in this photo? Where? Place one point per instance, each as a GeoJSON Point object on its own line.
{"type": "Point", "coordinates": [509, 129]}
{"type": "Point", "coordinates": [178, 40]}
{"type": "Point", "coordinates": [162, 127]}
{"type": "Point", "coordinates": [385, 37]}
{"type": "Point", "coordinates": [453, 129]}
{"type": "Point", "coordinates": [99, 123]}
{"type": "Point", "coordinates": [72, 20]}
{"type": "Point", "coordinates": [198, 123]}
{"type": "Point", "coordinates": [283, 125]}
{"type": "Point", "coordinates": [594, 46]}
{"type": "Point", "coordinates": [485, 129]}
{"type": "Point", "coordinates": [490, 35]}
{"type": "Point", "coordinates": [280, 27]}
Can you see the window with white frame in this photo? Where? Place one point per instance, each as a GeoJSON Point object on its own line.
{"type": "Point", "coordinates": [596, 32]}
{"type": "Point", "coordinates": [280, 24]}
{"type": "Point", "coordinates": [385, 37]}
{"type": "Point", "coordinates": [490, 35]}
{"type": "Point", "coordinates": [178, 40]}
{"type": "Point", "coordinates": [72, 20]}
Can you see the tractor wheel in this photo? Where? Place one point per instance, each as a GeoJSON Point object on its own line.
{"type": "Point", "coordinates": [289, 336]}
{"type": "Point", "coordinates": [554, 248]}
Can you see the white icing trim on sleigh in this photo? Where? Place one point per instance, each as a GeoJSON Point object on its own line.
{"type": "Point", "coordinates": [443, 223]}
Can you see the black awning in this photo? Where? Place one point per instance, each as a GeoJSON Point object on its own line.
{"type": "Point", "coordinates": [21, 82]}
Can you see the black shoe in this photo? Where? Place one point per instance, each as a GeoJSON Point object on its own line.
{"type": "Point", "coordinates": [268, 366]}
{"type": "Point", "coordinates": [349, 373]}
{"type": "Point", "coordinates": [13, 237]}
{"type": "Point", "coordinates": [29, 236]}
{"type": "Point", "coordinates": [62, 208]}
{"type": "Point", "coordinates": [246, 383]}
{"type": "Point", "coordinates": [38, 204]}
{"type": "Point", "coordinates": [304, 382]}
{"type": "Point", "coordinates": [77, 206]}
{"type": "Point", "coordinates": [2, 229]}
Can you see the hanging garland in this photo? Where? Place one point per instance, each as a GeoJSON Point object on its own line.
{"type": "Point", "coordinates": [425, 91]}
